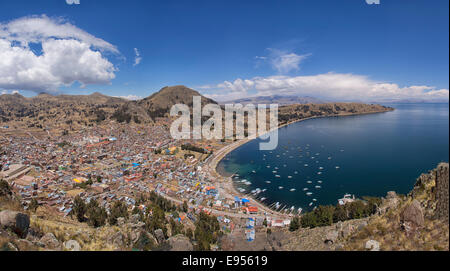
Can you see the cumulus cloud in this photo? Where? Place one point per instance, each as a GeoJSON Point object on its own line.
{"type": "Point", "coordinates": [137, 58]}
{"type": "Point", "coordinates": [68, 55]}
{"type": "Point", "coordinates": [282, 61]}
{"type": "Point", "coordinates": [335, 86]}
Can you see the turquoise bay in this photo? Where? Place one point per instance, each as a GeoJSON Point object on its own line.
{"type": "Point", "coordinates": [364, 155]}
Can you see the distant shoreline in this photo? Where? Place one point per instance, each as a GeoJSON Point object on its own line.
{"type": "Point", "coordinates": [235, 145]}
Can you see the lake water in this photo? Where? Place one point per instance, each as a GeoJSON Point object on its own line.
{"type": "Point", "coordinates": [365, 155]}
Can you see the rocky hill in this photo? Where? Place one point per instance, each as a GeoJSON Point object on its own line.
{"type": "Point", "coordinates": [158, 104]}
{"type": "Point", "coordinates": [45, 110]}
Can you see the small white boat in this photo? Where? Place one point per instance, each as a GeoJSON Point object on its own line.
{"type": "Point", "coordinates": [306, 165]}
{"type": "Point", "coordinates": [305, 189]}
{"type": "Point", "coordinates": [295, 172]}
{"type": "Point", "coordinates": [292, 189]}
{"type": "Point", "coordinates": [276, 167]}
{"type": "Point", "coordinates": [289, 177]}
{"type": "Point", "coordinates": [337, 167]}
{"type": "Point", "coordinates": [274, 171]}
{"type": "Point", "coordinates": [319, 173]}
{"type": "Point", "coordinates": [267, 166]}
{"type": "Point", "coordinates": [309, 182]}
{"type": "Point", "coordinates": [309, 193]}
{"type": "Point", "coordinates": [268, 181]}
{"type": "Point", "coordinates": [280, 187]}
{"type": "Point", "coordinates": [318, 187]}
{"type": "Point", "coordinates": [319, 181]}
{"type": "Point", "coordinates": [277, 176]}
{"type": "Point", "coordinates": [321, 168]}
{"type": "Point", "coordinates": [310, 204]}
{"type": "Point", "coordinates": [314, 199]}
{"type": "Point", "coordinates": [253, 171]}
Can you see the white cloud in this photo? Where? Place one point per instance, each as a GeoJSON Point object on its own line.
{"type": "Point", "coordinates": [137, 58]}
{"type": "Point", "coordinates": [130, 97]}
{"type": "Point", "coordinates": [68, 55]}
{"type": "Point", "coordinates": [335, 86]}
{"type": "Point", "coordinates": [282, 61]}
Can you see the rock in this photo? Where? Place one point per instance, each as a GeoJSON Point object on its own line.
{"type": "Point", "coordinates": [362, 225]}
{"type": "Point", "coordinates": [159, 234]}
{"type": "Point", "coordinates": [391, 202]}
{"type": "Point", "coordinates": [138, 225]}
{"type": "Point", "coordinates": [72, 245]}
{"type": "Point", "coordinates": [11, 247]}
{"type": "Point", "coordinates": [49, 240]}
{"type": "Point", "coordinates": [391, 195]}
{"type": "Point", "coordinates": [135, 219]}
{"type": "Point", "coordinates": [135, 235]}
{"type": "Point", "coordinates": [413, 214]}
{"type": "Point", "coordinates": [331, 237]}
{"type": "Point", "coordinates": [120, 221]}
{"type": "Point", "coordinates": [180, 243]}
{"type": "Point", "coordinates": [372, 245]}
{"type": "Point", "coordinates": [117, 239]}
{"type": "Point", "coordinates": [17, 222]}
{"type": "Point", "coordinates": [24, 245]}
{"type": "Point", "coordinates": [347, 230]}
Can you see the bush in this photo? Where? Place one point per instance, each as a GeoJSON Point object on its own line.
{"type": "Point", "coordinates": [96, 215]}
{"type": "Point", "coordinates": [5, 190]}
{"type": "Point", "coordinates": [79, 208]}
{"type": "Point", "coordinates": [119, 209]}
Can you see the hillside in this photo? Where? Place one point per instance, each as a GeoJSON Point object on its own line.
{"type": "Point", "coordinates": [158, 104]}
{"type": "Point", "coordinates": [48, 111]}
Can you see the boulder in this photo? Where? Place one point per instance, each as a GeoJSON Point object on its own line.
{"type": "Point", "coordinates": [372, 245]}
{"type": "Point", "coordinates": [134, 219]}
{"type": "Point", "coordinates": [120, 221]}
{"type": "Point", "coordinates": [49, 240]}
{"type": "Point", "coordinates": [159, 234]}
{"type": "Point", "coordinates": [72, 245]}
{"type": "Point", "coordinates": [15, 221]}
{"type": "Point", "coordinates": [118, 239]}
{"type": "Point", "coordinates": [331, 237]}
{"type": "Point", "coordinates": [413, 214]}
{"type": "Point", "coordinates": [180, 243]}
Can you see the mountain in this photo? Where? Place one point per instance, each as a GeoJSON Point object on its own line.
{"type": "Point", "coordinates": [277, 99]}
{"type": "Point", "coordinates": [158, 104]}
{"type": "Point", "coordinates": [46, 110]}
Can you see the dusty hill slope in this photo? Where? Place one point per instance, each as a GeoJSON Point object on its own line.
{"type": "Point", "coordinates": [46, 111]}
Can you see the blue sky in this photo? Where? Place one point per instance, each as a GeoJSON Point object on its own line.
{"type": "Point", "coordinates": [232, 49]}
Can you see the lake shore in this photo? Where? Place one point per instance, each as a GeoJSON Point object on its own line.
{"type": "Point", "coordinates": [225, 180]}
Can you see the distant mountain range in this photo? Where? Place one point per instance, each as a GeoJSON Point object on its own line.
{"type": "Point", "coordinates": [277, 99]}
{"type": "Point", "coordinates": [85, 110]}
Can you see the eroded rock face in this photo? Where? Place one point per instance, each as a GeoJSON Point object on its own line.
{"type": "Point", "coordinates": [442, 189]}
{"type": "Point", "coordinates": [180, 243]}
{"type": "Point", "coordinates": [15, 221]}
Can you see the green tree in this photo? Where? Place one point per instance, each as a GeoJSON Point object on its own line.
{"type": "Point", "coordinates": [294, 225]}
{"type": "Point", "coordinates": [33, 205]}
{"type": "Point", "coordinates": [5, 190]}
{"type": "Point", "coordinates": [340, 213]}
{"type": "Point", "coordinates": [96, 215]}
{"type": "Point", "coordinates": [79, 208]}
{"type": "Point", "coordinates": [119, 209]}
